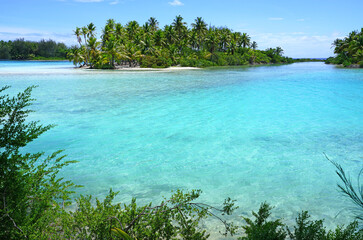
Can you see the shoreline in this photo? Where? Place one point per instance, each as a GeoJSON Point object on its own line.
{"type": "Point", "coordinates": [123, 68]}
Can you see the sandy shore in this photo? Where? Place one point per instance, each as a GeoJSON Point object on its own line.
{"type": "Point", "coordinates": [122, 68]}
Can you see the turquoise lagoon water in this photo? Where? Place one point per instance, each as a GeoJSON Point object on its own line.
{"type": "Point", "coordinates": [253, 134]}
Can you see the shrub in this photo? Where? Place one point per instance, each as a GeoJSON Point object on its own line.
{"type": "Point", "coordinates": [260, 228]}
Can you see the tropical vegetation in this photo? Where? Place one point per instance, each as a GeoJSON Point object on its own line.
{"type": "Point", "coordinates": [148, 45]}
{"type": "Point", "coordinates": [35, 203]}
{"type": "Point", "coordinates": [349, 50]}
{"type": "Point", "coordinates": [20, 49]}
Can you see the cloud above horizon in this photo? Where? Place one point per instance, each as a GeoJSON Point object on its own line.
{"type": "Point", "coordinates": [176, 3]}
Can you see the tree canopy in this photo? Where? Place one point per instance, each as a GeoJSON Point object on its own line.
{"type": "Point", "coordinates": [21, 49]}
{"type": "Point", "coordinates": [148, 45]}
{"type": "Point", "coordinates": [349, 50]}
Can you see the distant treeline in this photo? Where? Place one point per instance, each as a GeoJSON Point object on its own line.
{"type": "Point", "coordinates": [309, 60]}
{"type": "Point", "coordinates": [21, 49]}
{"type": "Point", "coordinates": [148, 45]}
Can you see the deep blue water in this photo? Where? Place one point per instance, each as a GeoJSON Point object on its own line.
{"type": "Point", "coordinates": [253, 134]}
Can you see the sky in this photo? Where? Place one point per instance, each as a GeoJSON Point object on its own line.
{"type": "Point", "coordinates": [303, 28]}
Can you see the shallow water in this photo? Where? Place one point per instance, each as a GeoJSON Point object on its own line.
{"type": "Point", "coordinates": [253, 134]}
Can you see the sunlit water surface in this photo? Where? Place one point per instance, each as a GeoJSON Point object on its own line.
{"type": "Point", "coordinates": [255, 134]}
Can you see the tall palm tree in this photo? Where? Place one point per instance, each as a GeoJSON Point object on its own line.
{"type": "Point", "coordinates": [245, 40]}
{"type": "Point", "coordinates": [159, 38]}
{"type": "Point", "coordinates": [85, 33]}
{"type": "Point", "coordinates": [78, 34]}
{"type": "Point", "coordinates": [212, 41]}
{"type": "Point", "coordinates": [254, 45]}
{"type": "Point", "coordinates": [93, 51]}
{"type": "Point", "coordinates": [91, 30]}
{"type": "Point", "coordinates": [179, 28]}
{"type": "Point", "coordinates": [279, 51]}
{"type": "Point", "coordinates": [132, 29]}
{"type": "Point", "coordinates": [169, 34]}
{"type": "Point", "coordinates": [153, 24]}
{"type": "Point", "coordinates": [200, 27]}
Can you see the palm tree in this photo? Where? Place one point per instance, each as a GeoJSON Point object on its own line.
{"type": "Point", "coordinates": [159, 38]}
{"type": "Point", "coordinates": [200, 27]}
{"type": "Point", "coordinates": [132, 54]}
{"type": "Point", "coordinates": [153, 24]}
{"type": "Point", "coordinates": [111, 48]}
{"type": "Point", "coordinates": [254, 45]}
{"type": "Point", "coordinates": [212, 41]}
{"type": "Point", "coordinates": [245, 40]}
{"type": "Point", "coordinates": [93, 50]}
{"type": "Point", "coordinates": [78, 33]}
{"type": "Point", "coordinates": [85, 33]}
{"type": "Point", "coordinates": [180, 28]}
{"type": "Point", "coordinates": [279, 51]}
{"type": "Point", "coordinates": [132, 29]}
{"type": "Point", "coordinates": [91, 30]}
{"type": "Point", "coordinates": [169, 34]}
{"type": "Point", "coordinates": [119, 31]}
{"type": "Point", "coordinates": [232, 47]}
{"type": "Point", "coordinates": [225, 38]}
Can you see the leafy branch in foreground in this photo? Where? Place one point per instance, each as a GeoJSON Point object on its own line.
{"type": "Point", "coordinates": [347, 188]}
{"type": "Point", "coordinates": [304, 228]}
{"type": "Point", "coordinates": [29, 186]}
{"type": "Point", "coordinates": [176, 217]}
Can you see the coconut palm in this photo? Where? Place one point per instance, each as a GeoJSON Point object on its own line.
{"type": "Point", "coordinates": [212, 41]}
{"type": "Point", "coordinates": [132, 29]}
{"type": "Point", "coordinates": [279, 51]}
{"type": "Point", "coordinates": [169, 34]}
{"type": "Point", "coordinates": [78, 34]}
{"type": "Point", "coordinates": [245, 40]}
{"type": "Point", "coordinates": [254, 45]}
{"type": "Point", "coordinates": [179, 28]}
{"type": "Point", "coordinates": [91, 30]}
{"type": "Point", "coordinates": [200, 28]}
{"type": "Point", "coordinates": [153, 24]}
{"type": "Point", "coordinates": [159, 38]}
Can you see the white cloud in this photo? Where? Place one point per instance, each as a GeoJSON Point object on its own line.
{"type": "Point", "coordinates": [176, 3]}
{"type": "Point", "coordinates": [114, 2]}
{"type": "Point", "coordinates": [300, 20]}
{"type": "Point", "coordinates": [276, 19]}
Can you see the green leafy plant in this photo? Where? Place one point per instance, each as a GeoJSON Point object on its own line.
{"type": "Point", "coordinates": [261, 228]}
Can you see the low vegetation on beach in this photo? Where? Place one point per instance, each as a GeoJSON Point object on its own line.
{"type": "Point", "coordinates": [176, 44]}
{"type": "Point", "coordinates": [34, 200]}
{"type": "Point", "coordinates": [349, 50]}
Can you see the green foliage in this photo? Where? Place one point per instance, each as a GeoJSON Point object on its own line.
{"type": "Point", "coordinates": [349, 51]}
{"type": "Point", "coordinates": [304, 228]}
{"type": "Point", "coordinates": [307, 229]}
{"type": "Point", "coordinates": [355, 194]}
{"type": "Point", "coordinates": [260, 228]}
{"type": "Point", "coordinates": [176, 44]}
{"type": "Point", "coordinates": [30, 191]}
{"type": "Point", "coordinates": [20, 49]}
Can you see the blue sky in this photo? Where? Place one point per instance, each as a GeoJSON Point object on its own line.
{"type": "Point", "coordinates": [303, 28]}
